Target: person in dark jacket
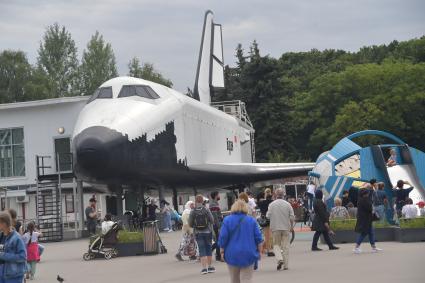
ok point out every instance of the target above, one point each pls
(321, 223)
(364, 221)
(218, 219)
(353, 194)
(345, 199)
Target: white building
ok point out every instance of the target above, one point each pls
(42, 128)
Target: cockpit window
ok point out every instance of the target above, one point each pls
(138, 90)
(103, 92)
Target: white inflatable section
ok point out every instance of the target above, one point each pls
(405, 173)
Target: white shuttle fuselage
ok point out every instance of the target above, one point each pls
(134, 131)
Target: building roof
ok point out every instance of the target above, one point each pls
(44, 102)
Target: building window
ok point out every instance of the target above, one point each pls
(12, 153)
(69, 203)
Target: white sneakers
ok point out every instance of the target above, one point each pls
(359, 251)
(375, 250)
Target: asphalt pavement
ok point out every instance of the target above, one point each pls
(397, 263)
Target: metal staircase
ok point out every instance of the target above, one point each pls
(49, 197)
(49, 210)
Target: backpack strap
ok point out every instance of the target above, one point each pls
(237, 227)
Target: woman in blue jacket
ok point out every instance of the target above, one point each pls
(13, 254)
(240, 243)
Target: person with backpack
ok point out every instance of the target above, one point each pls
(240, 243)
(218, 218)
(33, 256)
(201, 220)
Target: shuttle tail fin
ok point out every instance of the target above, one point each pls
(210, 71)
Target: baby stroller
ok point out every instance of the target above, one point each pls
(104, 244)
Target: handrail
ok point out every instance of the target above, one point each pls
(375, 133)
(235, 108)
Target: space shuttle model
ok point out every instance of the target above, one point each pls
(136, 132)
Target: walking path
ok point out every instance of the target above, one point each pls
(397, 263)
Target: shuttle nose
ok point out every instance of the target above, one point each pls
(92, 153)
(98, 152)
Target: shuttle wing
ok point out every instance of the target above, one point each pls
(233, 173)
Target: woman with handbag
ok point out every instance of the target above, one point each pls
(188, 243)
(263, 204)
(240, 243)
(365, 217)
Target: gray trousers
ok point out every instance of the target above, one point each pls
(241, 275)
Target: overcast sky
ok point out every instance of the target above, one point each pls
(168, 33)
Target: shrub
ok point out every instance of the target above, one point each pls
(412, 223)
(350, 224)
(339, 225)
(129, 237)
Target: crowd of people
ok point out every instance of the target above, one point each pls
(386, 210)
(254, 227)
(19, 248)
(262, 226)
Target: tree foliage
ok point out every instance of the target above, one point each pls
(302, 103)
(57, 57)
(97, 65)
(19, 81)
(146, 71)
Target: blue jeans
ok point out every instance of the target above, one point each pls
(204, 241)
(40, 249)
(370, 233)
(19, 279)
(380, 210)
(167, 220)
(310, 201)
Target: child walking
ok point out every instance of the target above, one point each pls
(33, 256)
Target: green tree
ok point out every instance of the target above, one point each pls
(146, 71)
(19, 81)
(97, 64)
(57, 57)
(14, 72)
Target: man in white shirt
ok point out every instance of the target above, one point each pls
(251, 202)
(409, 210)
(282, 219)
(311, 190)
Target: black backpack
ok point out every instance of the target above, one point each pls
(200, 218)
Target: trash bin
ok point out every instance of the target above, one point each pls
(150, 237)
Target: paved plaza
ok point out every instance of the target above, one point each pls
(397, 263)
